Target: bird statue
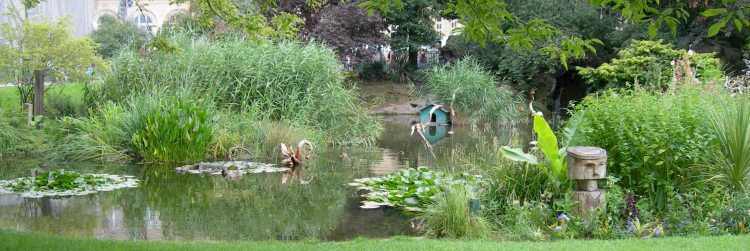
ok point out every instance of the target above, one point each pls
(293, 158)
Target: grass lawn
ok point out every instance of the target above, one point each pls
(30, 242)
(9, 95)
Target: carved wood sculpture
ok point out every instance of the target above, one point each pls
(293, 159)
(419, 128)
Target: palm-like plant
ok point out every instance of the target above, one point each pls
(731, 163)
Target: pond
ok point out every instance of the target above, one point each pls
(172, 206)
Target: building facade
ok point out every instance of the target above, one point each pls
(83, 14)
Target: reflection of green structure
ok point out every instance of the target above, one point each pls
(440, 115)
(436, 133)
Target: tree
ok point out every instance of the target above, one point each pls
(41, 50)
(114, 34)
(346, 26)
(412, 26)
(247, 16)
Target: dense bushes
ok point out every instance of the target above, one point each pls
(654, 141)
(471, 90)
(298, 83)
(650, 63)
(113, 35)
(173, 127)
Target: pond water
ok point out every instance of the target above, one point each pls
(173, 206)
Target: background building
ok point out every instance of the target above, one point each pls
(84, 14)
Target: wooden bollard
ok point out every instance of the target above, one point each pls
(587, 165)
(29, 114)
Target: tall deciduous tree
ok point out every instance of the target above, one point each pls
(45, 49)
(345, 26)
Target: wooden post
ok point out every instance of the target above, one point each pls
(30, 114)
(38, 92)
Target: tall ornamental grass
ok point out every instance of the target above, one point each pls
(16, 137)
(174, 127)
(288, 81)
(472, 90)
(451, 216)
(731, 161)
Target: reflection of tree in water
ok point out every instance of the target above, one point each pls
(69, 216)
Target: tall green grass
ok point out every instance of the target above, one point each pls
(473, 91)
(301, 84)
(731, 162)
(451, 216)
(174, 127)
(16, 137)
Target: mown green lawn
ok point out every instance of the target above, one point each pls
(9, 95)
(31, 242)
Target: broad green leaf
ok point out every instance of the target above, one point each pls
(546, 139)
(716, 27)
(714, 12)
(516, 154)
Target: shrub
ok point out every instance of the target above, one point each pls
(451, 216)
(294, 82)
(735, 215)
(371, 71)
(63, 104)
(654, 141)
(471, 89)
(113, 35)
(649, 63)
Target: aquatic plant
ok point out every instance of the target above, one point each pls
(410, 189)
(452, 215)
(172, 128)
(472, 90)
(65, 183)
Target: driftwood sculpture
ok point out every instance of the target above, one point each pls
(419, 128)
(293, 159)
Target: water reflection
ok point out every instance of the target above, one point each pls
(169, 205)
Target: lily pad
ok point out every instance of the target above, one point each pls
(66, 183)
(410, 189)
(241, 167)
